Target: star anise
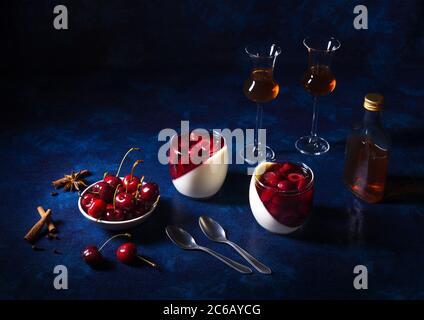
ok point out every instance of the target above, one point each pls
(73, 181)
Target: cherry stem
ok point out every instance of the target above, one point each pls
(114, 196)
(105, 174)
(138, 187)
(133, 167)
(150, 263)
(115, 236)
(125, 156)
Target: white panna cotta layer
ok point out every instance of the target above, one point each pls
(206, 179)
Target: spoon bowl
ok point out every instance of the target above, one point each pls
(181, 238)
(212, 229)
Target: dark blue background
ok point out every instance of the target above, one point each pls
(127, 69)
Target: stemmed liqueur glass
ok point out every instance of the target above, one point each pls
(260, 88)
(318, 80)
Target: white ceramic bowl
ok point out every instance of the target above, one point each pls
(115, 225)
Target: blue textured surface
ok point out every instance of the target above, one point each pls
(60, 123)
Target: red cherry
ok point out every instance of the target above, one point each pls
(298, 179)
(138, 211)
(127, 252)
(183, 143)
(92, 256)
(149, 191)
(103, 191)
(112, 214)
(112, 181)
(266, 195)
(285, 185)
(120, 214)
(284, 169)
(201, 149)
(131, 182)
(141, 207)
(97, 208)
(307, 197)
(270, 179)
(120, 189)
(109, 213)
(194, 139)
(301, 184)
(295, 177)
(273, 209)
(124, 200)
(278, 198)
(87, 199)
(142, 204)
(174, 170)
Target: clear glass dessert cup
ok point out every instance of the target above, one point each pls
(194, 174)
(281, 211)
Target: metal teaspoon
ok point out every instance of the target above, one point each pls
(185, 241)
(215, 232)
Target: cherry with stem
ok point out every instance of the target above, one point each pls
(130, 181)
(91, 254)
(123, 159)
(127, 253)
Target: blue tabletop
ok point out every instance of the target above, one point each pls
(88, 121)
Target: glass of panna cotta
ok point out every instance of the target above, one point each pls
(281, 195)
(198, 164)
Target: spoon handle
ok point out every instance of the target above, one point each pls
(233, 264)
(252, 260)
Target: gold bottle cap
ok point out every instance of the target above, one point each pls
(373, 102)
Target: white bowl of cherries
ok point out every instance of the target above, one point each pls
(118, 203)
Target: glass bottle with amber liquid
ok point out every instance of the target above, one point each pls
(367, 153)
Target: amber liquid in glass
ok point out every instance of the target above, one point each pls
(261, 86)
(366, 169)
(319, 80)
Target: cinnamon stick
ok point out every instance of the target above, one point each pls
(34, 232)
(49, 221)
